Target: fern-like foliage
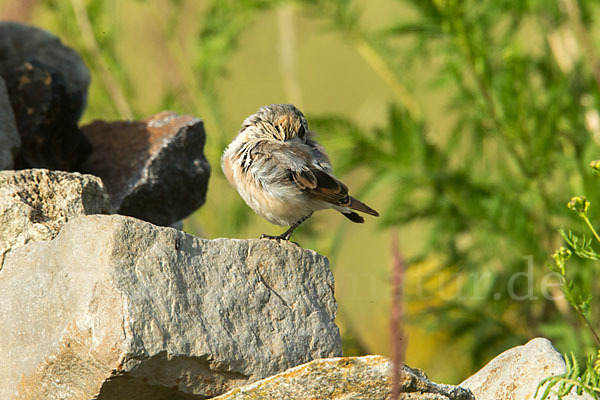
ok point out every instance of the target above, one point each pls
(575, 380)
(581, 245)
(489, 188)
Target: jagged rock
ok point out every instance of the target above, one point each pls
(34, 204)
(118, 308)
(20, 43)
(154, 170)
(366, 378)
(516, 373)
(10, 143)
(46, 119)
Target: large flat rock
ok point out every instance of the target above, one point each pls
(117, 308)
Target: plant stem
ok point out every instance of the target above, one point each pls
(194, 92)
(110, 83)
(396, 313)
(377, 63)
(581, 384)
(577, 307)
(589, 224)
(287, 55)
(587, 322)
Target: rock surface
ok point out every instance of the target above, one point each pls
(46, 118)
(10, 142)
(154, 170)
(365, 378)
(34, 204)
(114, 305)
(20, 43)
(516, 373)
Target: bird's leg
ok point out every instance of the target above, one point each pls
(287, 234)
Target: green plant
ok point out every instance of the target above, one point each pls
(489, 189)
(576, 379)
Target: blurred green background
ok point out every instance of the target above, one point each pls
(467, 124)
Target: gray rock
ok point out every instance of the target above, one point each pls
(20, 43)
(34, 204)
(516, 373)
(155, 169)
(10, 143)
(114, 307)
(365, 378)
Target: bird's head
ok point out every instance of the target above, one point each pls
(282, 122)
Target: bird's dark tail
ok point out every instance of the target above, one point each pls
(354, 217)
(358, 205)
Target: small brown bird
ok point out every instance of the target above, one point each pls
(282, 173)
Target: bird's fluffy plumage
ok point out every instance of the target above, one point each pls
(281, 172)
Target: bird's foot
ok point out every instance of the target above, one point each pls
(278, 238)
(285, 235)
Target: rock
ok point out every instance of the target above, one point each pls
(47, 84)
(46, 119)
(20, 43)
(516, 373)
(10, 143)
(114, 305)
(365, 378)
(154, 170)
(34, 204)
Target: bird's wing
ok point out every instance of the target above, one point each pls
(319, 155)
(319, 184)
(298, 163)
(306, 170)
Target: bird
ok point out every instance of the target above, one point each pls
(282, 173)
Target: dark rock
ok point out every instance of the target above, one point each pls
(10, 143)
(155, 169)
(46, 119)
(47, 84)
(20, 43)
